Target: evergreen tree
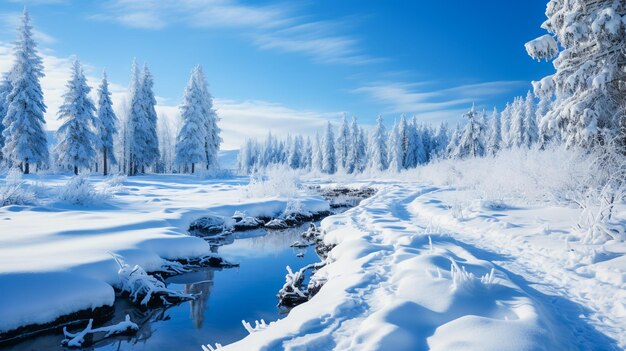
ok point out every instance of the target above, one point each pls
(378, 146)
(307, 156)
(317, 157)
(329, 160)
(453, 144)
(471, 143)
(5, 90)
(353, 147)
(136, 121)
(151, 149)
(213, 139)
(190, 142)
(25, 140)
(590, 68)
(107, 125)
(396, 152)
(76, 139)
(505, 119)
(295, 153)
(518, 132)
(494, 136)
(530, 121)
(343, 144)
(441, 141)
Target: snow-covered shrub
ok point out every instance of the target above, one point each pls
(77, 340)
(79, 191)
(15, 191)
(277, 181)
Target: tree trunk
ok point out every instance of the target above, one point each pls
(26, 168)
(75, 170)
(193, 168)
(105, 168)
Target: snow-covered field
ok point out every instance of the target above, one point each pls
(419, 267)
(56, 257)
(415, 266)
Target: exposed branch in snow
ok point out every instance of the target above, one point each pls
(78, 339)
(258, 326)
(143, 288)
(293, 292)
(208, 347)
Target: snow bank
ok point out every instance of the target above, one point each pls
(38, 298)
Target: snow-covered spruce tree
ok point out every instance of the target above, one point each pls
(136, 120)
(453, 143)
(213, 138)
(307, 155)
(378, 146)
(329, 160)
(5, 90)
(167, 145)
(342, 144)
(317, 159)
(505, 119)
(420, 141)
(494, 133)
(353, 147)
(76, 139)
(517, 130)
(471, 143)
(295, 152)
(590, 78)
(396, 152)
(190, 142)
(361, 154)
(530, 121)
(440, 141)
(151, 150)
(25, 140)
(107, 125)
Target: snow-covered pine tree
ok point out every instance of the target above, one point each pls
(396, 151)
(151, 150)
(329, 160)
(317, 158)
(342, 144)
(530, 121)
(295, 152)
(494, 135)
(353, 147)
(440, 141)
(76, 139)
(213, 138)
(590, 78)
(378, 146)
(420, 140)
(307, 155)
(136, 120)
(5, 90)
(471, 143)
(453, 143)
(361, 154)
(25, 140)
(167, 145)
(107, 125)
(517, 130)
(190, 142)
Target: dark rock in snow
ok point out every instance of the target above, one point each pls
(276, 223)
(208, 225)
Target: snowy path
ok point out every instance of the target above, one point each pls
(390, 288)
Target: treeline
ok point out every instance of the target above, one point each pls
(91, 136)
(409, 143)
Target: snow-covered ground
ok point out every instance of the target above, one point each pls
(56, 257)
(420, 267)
(415, 266)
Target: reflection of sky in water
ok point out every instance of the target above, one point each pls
(229, 295)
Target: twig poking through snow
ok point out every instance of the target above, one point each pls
(77, 339)
(208, 347)
(258, 326)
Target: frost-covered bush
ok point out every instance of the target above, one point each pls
(276, 181)
(15, 191)
(79, 191)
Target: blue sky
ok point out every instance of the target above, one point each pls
(289, 66)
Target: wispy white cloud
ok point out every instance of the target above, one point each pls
(432, 105)
(270, 27)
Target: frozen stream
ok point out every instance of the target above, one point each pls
(229, 295)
